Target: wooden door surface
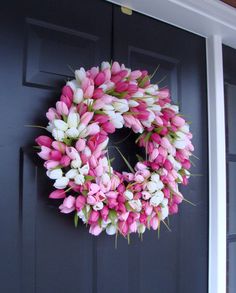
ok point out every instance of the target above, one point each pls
(41, 251)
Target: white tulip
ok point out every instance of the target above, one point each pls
(149, 101)
(71, 173)
(72, 84)
(98, 206)
(128, 195)
(54, 174)
(60, 124)
(72, 132)
(76, 164)
(177, 166)
(58, 134)
(104, 144)
(73, 120)
(79, 179)
(84, 170)
(121, 105)
(141, 228)
(108, 108)
(80, 74)
(133, 103)
(156, 108)
(164, 212)
(50, 127)
(155, 177)
(87, 151)
(61, 183)
(185, 128)
(104, 223)
(180, 144)
(138, 95)
(152, 186)
(156, 199)
(111, 230)
(136, 205)
(78, 96)
(105, 65)
(165, 201)
(105, 178)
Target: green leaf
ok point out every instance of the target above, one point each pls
(109, 164)
(112, 216)
(158, 129)
(76, 220)
(88, 178)
(143, 81)
(68, 141)
(155, 71)
(125, 160)
(148, 136)
(141, 159)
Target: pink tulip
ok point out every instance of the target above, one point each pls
(186, 164)
(98, 93)
(94, 188)
(167, 165)
(121, 86)
(154, 223)
(104, 213)
(57, 194)
(50, 164)
(135, 74)
(66, 100)
(178, 121)
(153, 155)
(68, 205)
(133, 227)
(65, 161)
(80, 144)
(67, 91)
(173, 209)
(177, 198)
(55, 155)
(44, 153)
(101, 118)
(95, 230)
(166, 192)
(156, 137)
(59, 146)
(99, 79)
(123, 228)
(52, 114)
(44, 140)
(108, 127)
(62, 108)
(89, 92)
(93, 129)
(94, 216)
(93, 72)
(165, 143)
(71, 152)
(86, 118)
(107, 73)
(115, 68)
(80, 203)
(164, 93)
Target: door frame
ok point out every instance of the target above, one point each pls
(216, 21)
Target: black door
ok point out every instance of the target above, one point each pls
(229, 58)
(41, 251)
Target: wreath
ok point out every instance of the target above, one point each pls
(92, 106)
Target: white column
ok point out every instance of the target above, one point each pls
(217, 167)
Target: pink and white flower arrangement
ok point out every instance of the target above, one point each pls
(93, 105)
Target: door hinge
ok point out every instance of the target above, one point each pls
(126, 10)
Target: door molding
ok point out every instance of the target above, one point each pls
(215, 21)
(202, 17)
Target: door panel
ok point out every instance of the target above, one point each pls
(177, 262)
(39, 39)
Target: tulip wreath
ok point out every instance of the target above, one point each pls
(93, 105)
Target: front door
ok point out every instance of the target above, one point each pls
(41, 251)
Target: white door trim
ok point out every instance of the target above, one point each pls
(217, 167)
(216, 22)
